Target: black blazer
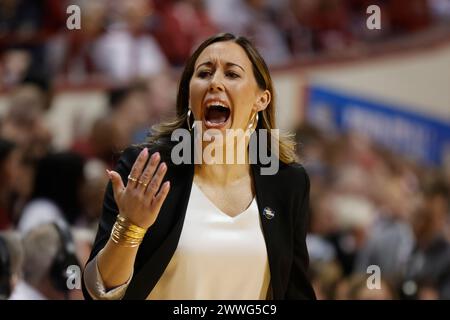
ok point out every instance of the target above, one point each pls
(286, 193)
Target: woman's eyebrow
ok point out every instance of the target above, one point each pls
(228, 64)
(231, 64)
(207, 63)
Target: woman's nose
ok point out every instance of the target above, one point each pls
(216, 83)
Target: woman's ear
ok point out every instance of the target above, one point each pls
(263, 100)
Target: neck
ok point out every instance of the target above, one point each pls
(222, 174)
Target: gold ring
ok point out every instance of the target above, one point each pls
(145, 184)
(132, 179)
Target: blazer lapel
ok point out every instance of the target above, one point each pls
(267, 205)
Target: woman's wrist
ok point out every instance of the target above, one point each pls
(127, 234)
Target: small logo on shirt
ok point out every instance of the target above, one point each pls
(268, 213)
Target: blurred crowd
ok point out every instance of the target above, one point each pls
(368, 206)
(372, 209)
(46, 191)
(34, 34)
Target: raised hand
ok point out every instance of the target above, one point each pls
(141, 200)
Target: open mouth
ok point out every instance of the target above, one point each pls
(216, 114)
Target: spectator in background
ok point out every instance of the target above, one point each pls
(161, 97)
(101, 142)
(130, 114)
(354, 215)
(11, 262)
(325, 277)
(391, 238)
(9, 171)
(428, 270)
(127, 50)
(24, 122)
(92, 194)
(71, 53)
(126, 123)
(14, 64)
(322, 226)
(356, 288)
(179, 26)
(260, 26)
(56, 192)
(24, 125)
(48, 251)
(255, 20)
(295, 23)
(20, 19)
(21, 28)
(312, 26)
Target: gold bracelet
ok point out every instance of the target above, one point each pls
(125, 237)
(127, 234)
(127, 223)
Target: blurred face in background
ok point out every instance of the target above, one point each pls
(25, 122)
(135, 13)
(161, 96)
(431, 218)
(323, 221)
(94, 16)
(394, 201)
(136, 108)
(13, 65)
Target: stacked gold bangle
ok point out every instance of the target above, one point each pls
(127, 234)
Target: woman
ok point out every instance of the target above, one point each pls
(224, 231)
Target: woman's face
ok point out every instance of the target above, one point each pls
(223, 92)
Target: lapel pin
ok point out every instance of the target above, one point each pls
(268, 213)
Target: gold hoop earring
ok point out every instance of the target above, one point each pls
(252, 122)
(188, 117)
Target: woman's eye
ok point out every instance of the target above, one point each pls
(232, 75)
(203, 74)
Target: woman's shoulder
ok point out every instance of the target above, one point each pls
(290, 180)
(294, 172)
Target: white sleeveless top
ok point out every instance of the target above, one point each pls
(217, 257)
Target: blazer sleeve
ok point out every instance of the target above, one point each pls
(299, 286)
(110, 209)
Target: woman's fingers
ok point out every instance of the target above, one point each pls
(137, 168)
(158, 200)
(117, 183)
(147, 174)
(155, 183)
(140, 196)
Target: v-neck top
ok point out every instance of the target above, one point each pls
(218, 256)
